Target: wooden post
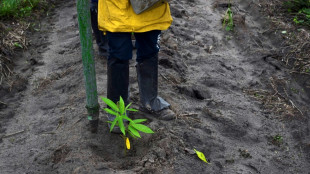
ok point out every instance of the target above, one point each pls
(88, 63)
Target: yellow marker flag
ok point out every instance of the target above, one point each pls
(127, 143)
(201, 156)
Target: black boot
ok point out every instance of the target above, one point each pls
(147, 72)
(118, 83)
(101, 39)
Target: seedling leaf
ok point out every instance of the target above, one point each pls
(133, 110)
(201, 156)
(110, 103)
(121, 105)
(139, 120)
(121, 125)
(110, 111)
(128, 106)
(113, 123)
(134, 131)
(131, 134)
(126, 118)
(142, 128)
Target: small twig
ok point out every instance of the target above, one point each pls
(189, 114)
(9, 135)
(3, 103)
(167, 79)
(59, 124)
(184, 63)
(46, 133)
(8, 69)
(164, 77)
(184, 98)
(299, 72)
(296, 107)
(76, 122)
(8, 59)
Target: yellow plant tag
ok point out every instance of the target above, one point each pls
(201, 156)
(127, 143)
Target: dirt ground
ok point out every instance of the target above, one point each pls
(234, 101)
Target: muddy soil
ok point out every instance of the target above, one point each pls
(233, 101)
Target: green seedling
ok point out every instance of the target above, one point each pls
(245, 153)
(228, 22)
(16, 44)
(295, 90)
(300, 9)
(277, 140)
(119, 110)
(18, 8)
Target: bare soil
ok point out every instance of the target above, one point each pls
(235, 101)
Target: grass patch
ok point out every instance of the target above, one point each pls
(301, 10)
(17, 8)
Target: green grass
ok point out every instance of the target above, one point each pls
(301, 9)
(17, 8)
(228, 22)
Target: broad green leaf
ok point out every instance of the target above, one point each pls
(134, 131)
(133, 110)
(139, 120)
(132, 135)
(89, 117)
(110, 111)
(306, 11)
(201, 156)
(110, 103)
(142, 128)
(113, 123)
(121, 125)
(121, 105)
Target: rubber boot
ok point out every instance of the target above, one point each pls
(147, 72)
(118, 84)
(101, 39)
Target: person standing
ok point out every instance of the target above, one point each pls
(119, 21)
(101, 40)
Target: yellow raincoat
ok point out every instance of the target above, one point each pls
(118, 16)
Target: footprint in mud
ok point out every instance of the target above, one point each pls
(272, 60)
(178, 67)
(166, 63)
(198, 92)
(177, 11)
(48, 102)
(226, 126)
(60, 154)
